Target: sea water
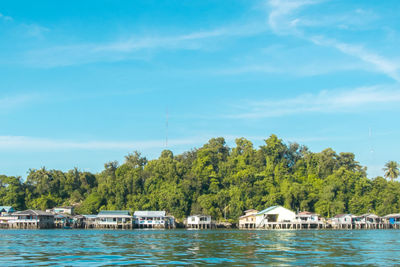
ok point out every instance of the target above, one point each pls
(198, 247)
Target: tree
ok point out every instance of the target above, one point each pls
(391, 170)
(135, 160)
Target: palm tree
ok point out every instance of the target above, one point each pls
(391, 170)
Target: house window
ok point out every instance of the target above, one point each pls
(193, 219)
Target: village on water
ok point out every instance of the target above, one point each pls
(275, 217)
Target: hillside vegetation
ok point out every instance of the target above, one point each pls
(215, 180)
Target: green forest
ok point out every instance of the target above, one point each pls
(216, 180)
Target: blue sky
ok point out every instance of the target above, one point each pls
(86, 82)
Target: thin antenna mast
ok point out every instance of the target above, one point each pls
(371, 147)
(166, 129)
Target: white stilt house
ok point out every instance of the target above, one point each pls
(273, 215)
(341, 221)
(153, 219)
(248, 220)
(199, 222)
(116, 219)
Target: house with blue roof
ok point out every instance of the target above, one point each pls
(6, 215)
(6, 209)
(274, 214)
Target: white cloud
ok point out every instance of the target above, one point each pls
(40, 144)
(323, 102)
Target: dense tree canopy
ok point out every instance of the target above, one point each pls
(215, 180)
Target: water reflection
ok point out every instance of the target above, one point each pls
(96, 247)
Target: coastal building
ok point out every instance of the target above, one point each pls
(248, 220)
(89, 221)
(5, 210)
(307, 217)
(275, 217)
(63, 221)
(117, 219)
(32, 219)
(153, 219)
(78, 221)
(367, 221)
(393, 220)
(308, 220)
(199, 222)
(342, 221)
(6, 215)
(63, 210)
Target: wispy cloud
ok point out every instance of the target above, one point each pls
(279, 18)
(324, 102)
(386, 66)
(34, 30)
(308, 69)
(265, 68)
(133, 47)
(40, 144)
(282, 20)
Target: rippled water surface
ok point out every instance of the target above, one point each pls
(180, 247)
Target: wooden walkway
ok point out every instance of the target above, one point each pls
(366, 226)
(322, 225)
(292, 225)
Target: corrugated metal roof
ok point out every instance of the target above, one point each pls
(342, 215)
(267, 209)
(114, 212)
(393, 215)
(149, 213)
(33, 212)
(371, 215)
(90, 216)
(250, 210)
